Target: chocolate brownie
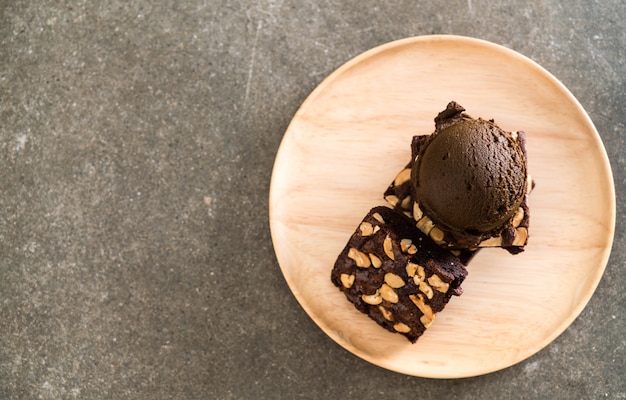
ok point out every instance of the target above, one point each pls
(395, 274)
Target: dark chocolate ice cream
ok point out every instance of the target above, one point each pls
(470, 176)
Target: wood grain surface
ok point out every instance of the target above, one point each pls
(351, 137)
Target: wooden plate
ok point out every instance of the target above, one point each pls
(351, 137)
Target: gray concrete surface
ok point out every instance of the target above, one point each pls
(136, 145)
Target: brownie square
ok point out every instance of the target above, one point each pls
(396, 274)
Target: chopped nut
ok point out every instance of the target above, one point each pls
(425, 225)
(361, 259)
(439, 285)
(366, 229)
(406, 203)
(373, 299)
(386, 313)
(428, 291)
(424, 308)
(376, 229)
(404, 244)
(495, 241)
(427, 321)
(402, 177)
(388, 247)
(417, 300)
(411, 268)
(529, 184)
(412, 249)
(417, 211)
(420, 274)
(392, 199)
(393, 280)
(378, 218)
(407, 246)
(455, 252)
(518, 217)
(376, 262)
(388, 293)
(521, 234)
(402, 328)
(436, 234)
(347, 280)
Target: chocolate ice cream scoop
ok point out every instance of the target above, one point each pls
(470, 177)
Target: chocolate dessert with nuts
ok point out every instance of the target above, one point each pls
(395, 274)
(465, 187)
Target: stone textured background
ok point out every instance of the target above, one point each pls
(136, 145)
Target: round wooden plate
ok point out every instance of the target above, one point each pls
(352, 136)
